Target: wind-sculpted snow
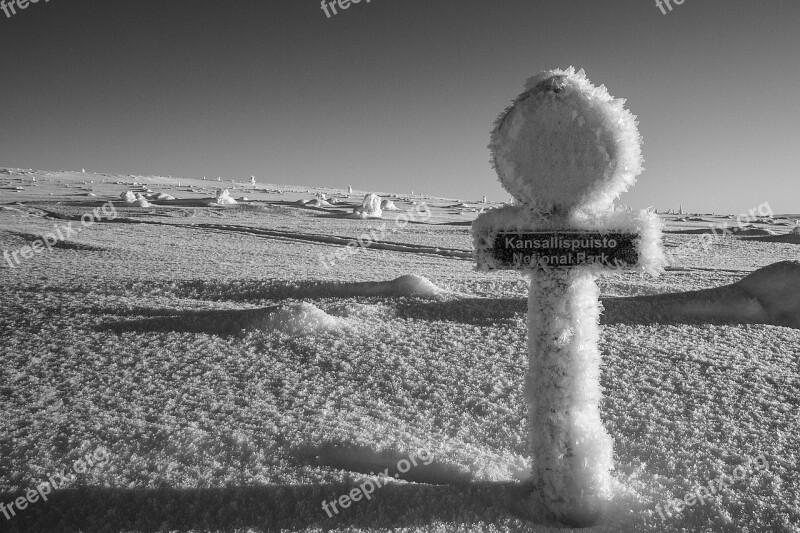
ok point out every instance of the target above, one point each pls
(770, 295)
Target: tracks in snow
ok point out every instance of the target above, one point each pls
(339, 241)
(293, 236)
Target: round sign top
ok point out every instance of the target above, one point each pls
(565, 144)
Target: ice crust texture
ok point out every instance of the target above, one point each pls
(565, 150)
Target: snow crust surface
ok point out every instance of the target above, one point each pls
(146, 335)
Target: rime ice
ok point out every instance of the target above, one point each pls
(565, 150)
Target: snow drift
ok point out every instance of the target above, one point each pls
(770, 295)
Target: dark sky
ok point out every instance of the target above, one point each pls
(395, 95)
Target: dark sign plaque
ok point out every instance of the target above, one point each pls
(554, 249)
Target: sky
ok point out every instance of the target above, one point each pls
(399, 95)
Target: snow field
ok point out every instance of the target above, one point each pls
(131, 338)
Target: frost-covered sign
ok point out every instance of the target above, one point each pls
(565, 150)
(565, 249)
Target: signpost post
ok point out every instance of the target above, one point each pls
(565, 150)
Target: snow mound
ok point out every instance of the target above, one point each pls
(388, 205)
(301, 318)
(370, 207)
(318, 202)
(224, 197)
(407, 285)
(413, 285)
(770, 295)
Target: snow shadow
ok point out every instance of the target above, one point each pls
(365, 460)
(215, 322)
(770, 295)
(788, 238)
(472, 311)
(29, 238)
(247, 290)
(269, 507)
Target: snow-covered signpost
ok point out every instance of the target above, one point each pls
(565, 150)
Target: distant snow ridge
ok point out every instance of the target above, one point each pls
(370, 207)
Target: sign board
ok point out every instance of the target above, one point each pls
(569, 248)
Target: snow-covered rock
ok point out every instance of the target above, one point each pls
(388, 205)
(133, 199)
(224, 197)
(370, 207)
